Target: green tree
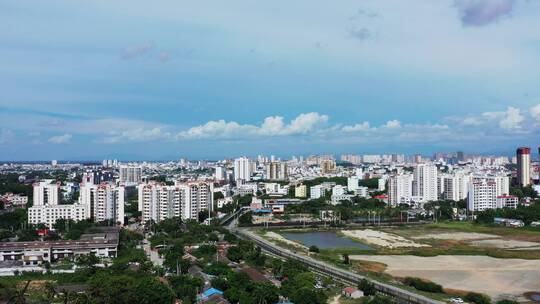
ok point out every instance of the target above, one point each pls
(217, 268)
(367, 287)
(105, 288)
(478, 298)
(346, 259)
(150, 290)
(88, 262)
(245, 219)
(307, 295)
(378, 299)
(235, 254)
(265, 293)
(314, 248)
(186, 286)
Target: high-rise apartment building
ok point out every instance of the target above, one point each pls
(220, 173)
(46, 193)
(425, 182)
(104, 202)
(47, 210)
(328, 166)
(482, 195)
(400, 189)
(484, 191)
(158, 201)
(130, 174)
(242, 169)
(276, 171)
(353, 183)
(455, 186)
(523, 155)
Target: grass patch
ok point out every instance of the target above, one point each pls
(369, 266)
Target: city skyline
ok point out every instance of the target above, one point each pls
(134, 81)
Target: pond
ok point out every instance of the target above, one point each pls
(324, 240)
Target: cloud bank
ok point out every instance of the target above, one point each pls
(511, 123)
(483, 12)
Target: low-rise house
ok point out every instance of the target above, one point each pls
(11, 200)
(508, 222)
(35, 253)
(255, 275)
(352, 292)
(212, 295)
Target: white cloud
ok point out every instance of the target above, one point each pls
(494, 126)
(271, 126)
(509, 120)
(305, 123)
(392, 124)
(137, 135)
(471, 121)
(512, 119)
(60, 139)
(364, 126)
(535, 111)
(215, 129)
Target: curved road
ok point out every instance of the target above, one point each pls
(402, 295)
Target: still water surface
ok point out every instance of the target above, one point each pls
(324, 240)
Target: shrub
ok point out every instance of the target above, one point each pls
(477, 298)
(423, 285)
(314, 249)
(367, 287)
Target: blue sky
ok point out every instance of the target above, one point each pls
(141, 80)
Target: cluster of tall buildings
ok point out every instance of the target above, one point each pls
(106, 202)
(373, 158)
(103, 202)
(419, 186)
(483, 189)
(158, 201)
(426, 183)
(245, 169)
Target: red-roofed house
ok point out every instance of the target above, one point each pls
(352, 292)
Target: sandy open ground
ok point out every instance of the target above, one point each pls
(280, 238)
(480, 240)
(488, 275)
(506, 244)
(456, 236)
(381, 238)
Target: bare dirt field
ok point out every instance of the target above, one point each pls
(480, 240)
(492, 276)
(456, 236)
(380, 238)
(506, 244)
(280, 238)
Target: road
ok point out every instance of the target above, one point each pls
(402, 295)
(152, 254)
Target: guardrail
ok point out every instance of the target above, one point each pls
(228, 218)
(402, 295)
(342, 224)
